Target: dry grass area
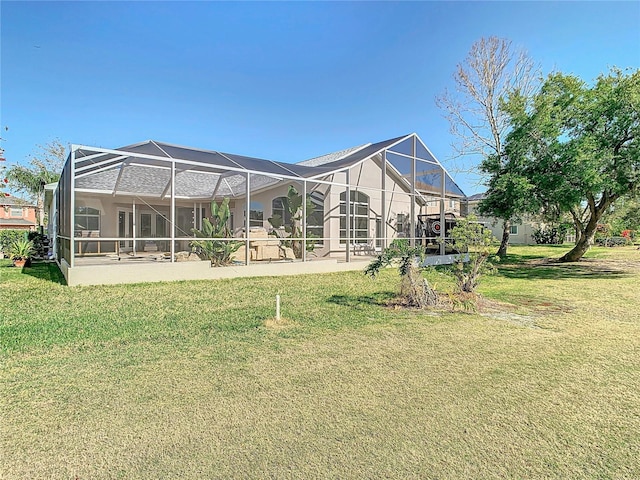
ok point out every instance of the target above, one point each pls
(196, 379)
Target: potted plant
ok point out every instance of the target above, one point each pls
(21, 251)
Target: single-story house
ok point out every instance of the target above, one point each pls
(144, 201)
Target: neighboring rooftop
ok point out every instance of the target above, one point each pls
(5, 222)
(476, 197)
(11, 200)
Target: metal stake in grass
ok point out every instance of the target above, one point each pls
(277, 308)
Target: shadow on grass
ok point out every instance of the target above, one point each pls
(45, 271)
(354, 301)
(559, 271)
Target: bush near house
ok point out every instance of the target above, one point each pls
(552, 235)
(8, 238)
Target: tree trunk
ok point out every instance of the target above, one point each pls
(40, 208)
(504, 243)
(587, 234)
(583, 241)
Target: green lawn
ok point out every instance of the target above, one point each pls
(194, 379)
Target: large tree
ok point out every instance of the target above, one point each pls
(492, 70)
(579, 146)
(44, 167)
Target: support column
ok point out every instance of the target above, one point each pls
(412, 223)
(384, 200)
(133, 205)
(443, 225)
(173, 212)
(304, 220)
(348, 217)
(195, 216)
(72, 233)
(247, 222)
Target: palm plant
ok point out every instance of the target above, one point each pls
(293, 204)
(414, 288)
(219, 252)
(21, 249)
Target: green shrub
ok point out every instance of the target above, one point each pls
(219, 252)
(470, 236)
(415, 291)
(613, 241)
(8, 238)
(553, 235)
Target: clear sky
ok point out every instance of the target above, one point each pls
(284, 81)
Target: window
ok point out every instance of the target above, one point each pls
(279, 207)
(145, 225)
(452, 204)
(403, 225)
(513, 230)
(315, 214)
(87, 218)
(16, 212)
(359, 212)
(256, 214)
(315, 218)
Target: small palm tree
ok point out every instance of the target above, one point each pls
(414, 288)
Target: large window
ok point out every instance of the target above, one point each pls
(87, 218)
(315, 218)
(279, 208)
(315, 214)
(359, 209)
(256, 214)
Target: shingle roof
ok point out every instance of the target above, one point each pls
(476, 197)
(15, 201)
(15, 221)
(141, 168)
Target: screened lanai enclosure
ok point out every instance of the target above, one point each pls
(152, 202)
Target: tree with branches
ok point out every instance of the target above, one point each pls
(492, 70)
(43, 167)
(579, 146)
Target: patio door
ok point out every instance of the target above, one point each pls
(125, 228)
(152, 225)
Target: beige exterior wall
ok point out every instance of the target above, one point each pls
(524, 229)
(365, 178)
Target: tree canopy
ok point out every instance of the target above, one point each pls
(43, 167)
(577, 147)
(478, 122)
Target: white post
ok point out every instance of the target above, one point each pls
(443, 218)
(72, 207)
(134, 226)
(247, 221)
(412, 223)
(384, 200)
(304, 220)
(278, 307)
(348, 217)
(173, 212)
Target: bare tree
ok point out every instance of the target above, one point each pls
(492, 70)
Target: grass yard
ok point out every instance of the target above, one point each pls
(195, 380)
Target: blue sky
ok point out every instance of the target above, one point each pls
(284, 81)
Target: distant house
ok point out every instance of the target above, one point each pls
(141, 204)
(521, 233)
(17, 214)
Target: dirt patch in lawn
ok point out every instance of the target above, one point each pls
(595, 265)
